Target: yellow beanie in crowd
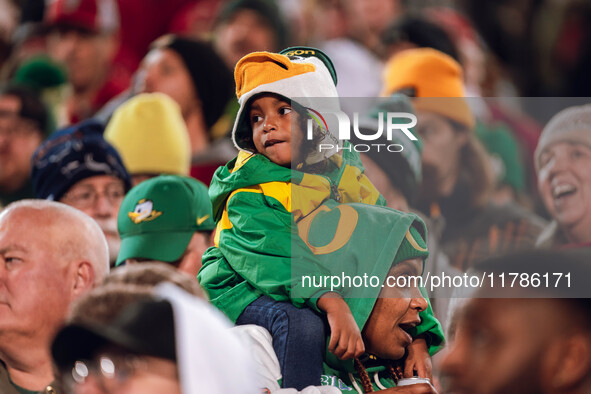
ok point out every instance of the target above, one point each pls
(432, 79)
(150, 134)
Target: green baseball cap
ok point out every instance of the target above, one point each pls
(159, 216)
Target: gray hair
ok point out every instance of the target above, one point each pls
(81, 237)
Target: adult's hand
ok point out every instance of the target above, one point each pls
(421, 388)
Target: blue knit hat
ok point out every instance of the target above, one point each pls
(72, 154)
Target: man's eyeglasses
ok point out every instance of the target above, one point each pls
(87, 196)
(106, 367)
(110, 370)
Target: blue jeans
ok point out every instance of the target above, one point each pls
(298, 339)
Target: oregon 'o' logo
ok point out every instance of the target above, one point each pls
(345, 227)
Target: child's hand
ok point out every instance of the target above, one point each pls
(418, 359)
(345, 338)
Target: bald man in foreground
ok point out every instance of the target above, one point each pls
(50, 254)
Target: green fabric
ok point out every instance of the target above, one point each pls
(406, 251)
(502, 145)
(260, 245)
(159, 216)
(257, 170)
(375, 244)
(24, 391)
(48, 78)
(262, 253)
(41, 72)
(336, 372)
(7, 386)
(341, 380)
(430, 326)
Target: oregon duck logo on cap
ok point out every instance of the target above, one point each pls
(143, 212)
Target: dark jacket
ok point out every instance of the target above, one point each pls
(471, 234)
(7, 387)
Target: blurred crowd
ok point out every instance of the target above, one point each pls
(128, 111)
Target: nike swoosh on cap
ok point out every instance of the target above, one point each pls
(202, 219)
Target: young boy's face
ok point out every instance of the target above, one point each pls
(271, 119)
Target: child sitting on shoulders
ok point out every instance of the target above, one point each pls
(278, 178)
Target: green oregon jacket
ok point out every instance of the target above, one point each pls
(259, 248)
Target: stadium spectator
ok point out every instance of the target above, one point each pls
(167, 219)
(24, 122)
(50, 255)
(509, 345)
(457, 177)
(175, 344)
(563, 159)
(84, 37)
(78, 167)
(245, 26)
(149, 133)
